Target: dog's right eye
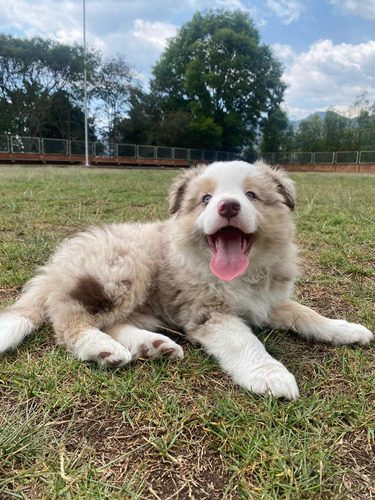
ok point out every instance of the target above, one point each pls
(206, 198)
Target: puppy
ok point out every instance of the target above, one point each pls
(225, 260)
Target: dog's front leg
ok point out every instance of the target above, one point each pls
(244, 357)
(312, 326)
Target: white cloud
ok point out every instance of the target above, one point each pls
(232, 5)
(154, 33)
(40, 17)
(363, 8)
(296, 113)
(287, 10)
(328, 74)
(284, 53)
(256, 13)
(114, 26)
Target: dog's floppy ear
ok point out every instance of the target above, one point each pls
(176, 194)
(284, 185)
(178, 188)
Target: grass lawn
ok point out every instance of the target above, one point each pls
(179, 430)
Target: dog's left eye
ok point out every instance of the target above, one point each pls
(206, 198)
(250, 195)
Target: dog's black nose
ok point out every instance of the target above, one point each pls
(228, 208)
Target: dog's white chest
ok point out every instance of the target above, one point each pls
(252, 301)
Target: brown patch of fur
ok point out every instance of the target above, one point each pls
(91, 295)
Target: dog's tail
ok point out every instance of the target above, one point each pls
(25, 316)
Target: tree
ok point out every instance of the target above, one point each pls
(65, 120)
(143, 116)
(5, 118)
(309, 135)
(277, 132)
(337, 132)
(113, 87)
(32, 72)
(172, 130)
(216, 70)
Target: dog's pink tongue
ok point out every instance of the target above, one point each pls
(229, 260)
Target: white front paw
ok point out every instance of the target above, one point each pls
(269, 378)
(159, 346)
(342, 332)
(113, 355)
(95, 345)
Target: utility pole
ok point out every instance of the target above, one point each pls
(85, 85)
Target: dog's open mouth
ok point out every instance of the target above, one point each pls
(230, 247)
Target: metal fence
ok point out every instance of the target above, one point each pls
(338, 157)
(34, 145)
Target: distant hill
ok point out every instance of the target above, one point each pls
(295, 123)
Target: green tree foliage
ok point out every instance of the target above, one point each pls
(32, 72)
(337, 133)
(309, 135)
(277, 132)
(65, 120)
(217, 72)
(113, 86)
(354, 132)
(144, 115)
(364, 111)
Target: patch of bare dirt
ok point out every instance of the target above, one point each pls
(357, 454)
(329, 300)
(189, 470)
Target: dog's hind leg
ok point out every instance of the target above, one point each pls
(82, 335)
(145, 344)
(87, 342)
(25, 316)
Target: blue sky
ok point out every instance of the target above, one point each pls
(327, 47)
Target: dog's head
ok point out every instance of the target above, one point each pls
(227, 209)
